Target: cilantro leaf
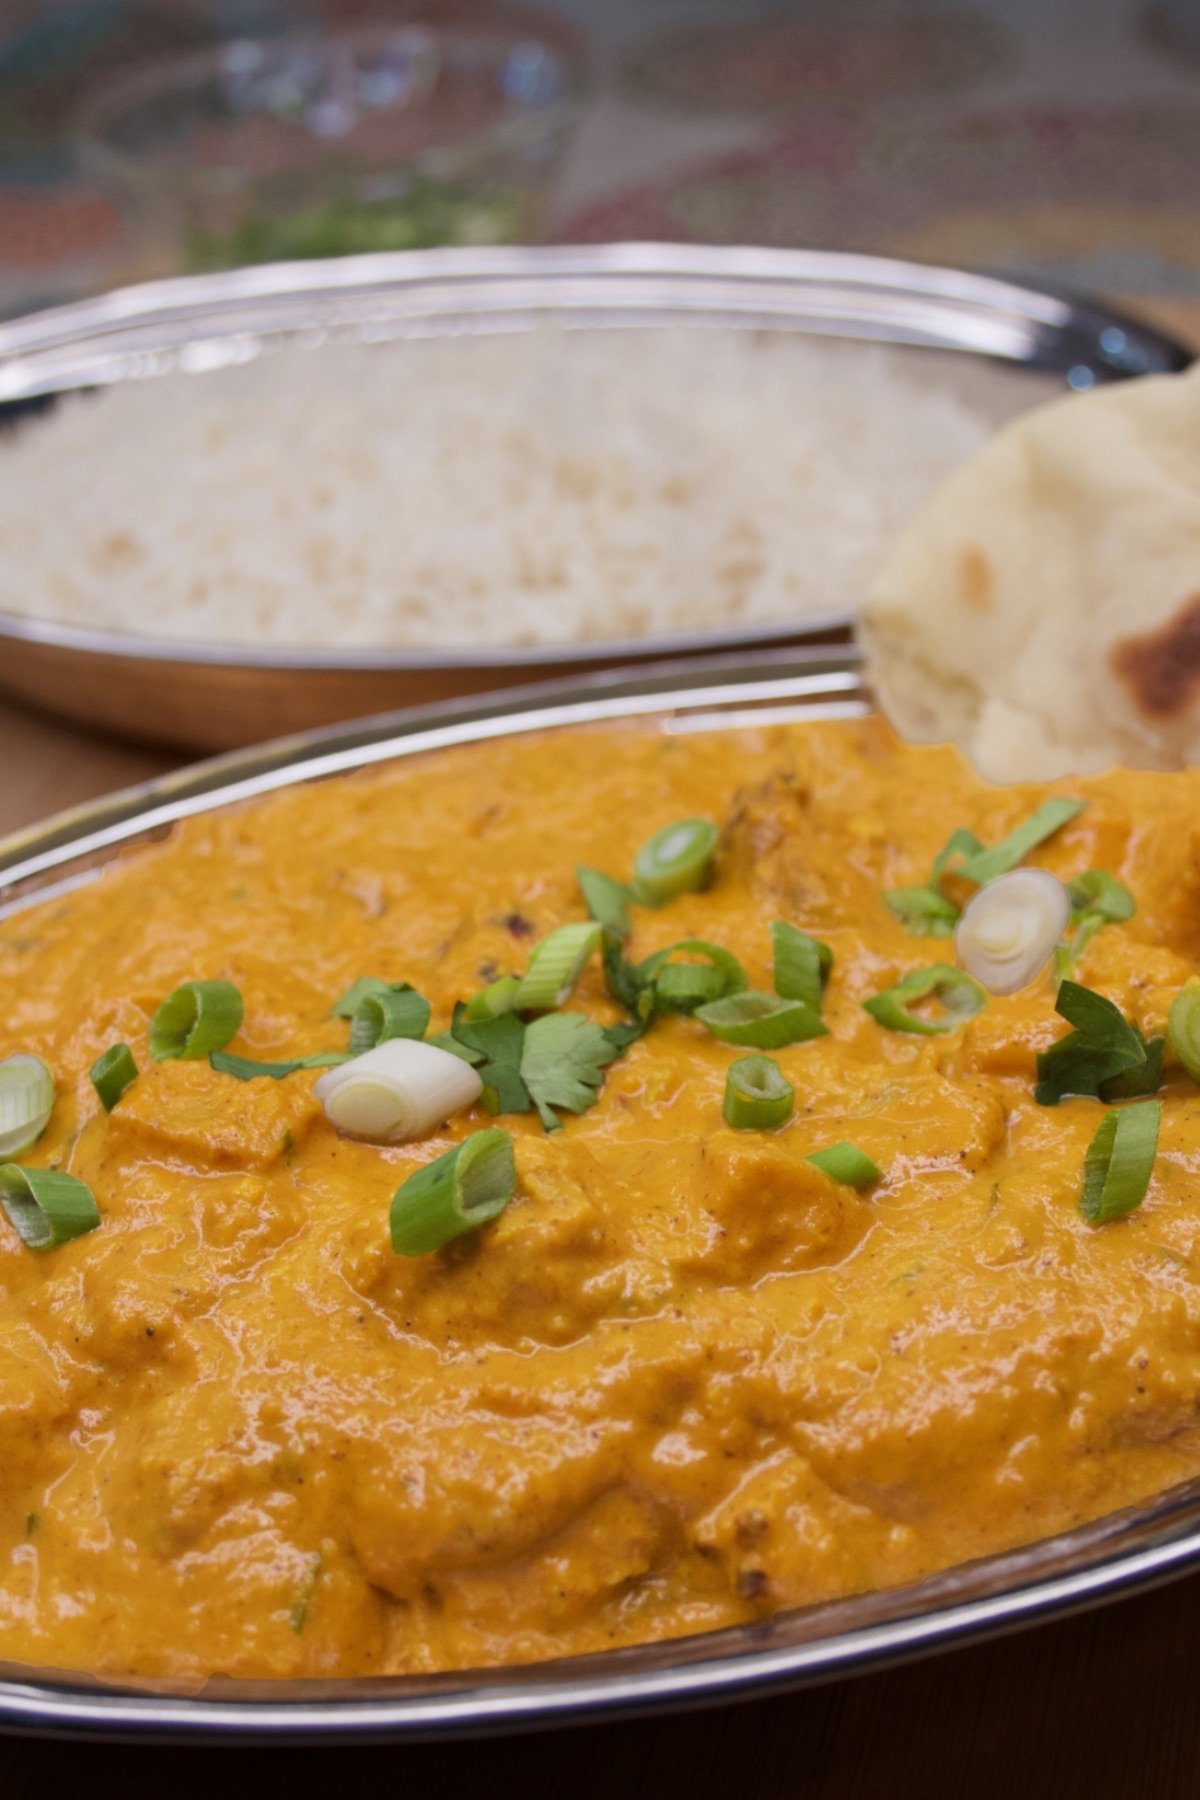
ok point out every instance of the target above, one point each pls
(496, 1047)
(563, 1063)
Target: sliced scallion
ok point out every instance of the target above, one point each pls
(949, 860)
(357, 992)
(456, 1193)
(607, 900)
(801, 964)
(922, 910)
(1183, 1027)
(1009, 929)
(26, 1101)
(760, 1021)
(199, 1017)
(45, 1206)
(758, 1095)
(961, 997)
(245, 1068)
(112, 1073)
(1106, 1057)
(847, 1164)
(394, 1012)
(556, 965)
(683, 986)
(399, 1090)
(679, 859)
(1050, 816)
(1120, 1161)
(491, 1001)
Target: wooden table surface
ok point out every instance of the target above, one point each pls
(1102, 1707)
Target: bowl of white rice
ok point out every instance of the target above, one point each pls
(260, 501)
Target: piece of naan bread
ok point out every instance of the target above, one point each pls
(1042, 610)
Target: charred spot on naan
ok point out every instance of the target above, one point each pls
(1161, 668)
(976, 579)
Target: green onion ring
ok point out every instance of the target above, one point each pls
(112, 1073)
(923, 911)
(246, 1069)
(1120, 1161)
(455, 1193)
(847, 1164)
(1183, 1027)
(46, 1207)
(683, 986)
(358, 991)
(959, 994)
(760, 1021)
(491, 1001)
(397, 1012)
(758, 1095)
(197, 1018)
(606, 900)
(26, 1101)
(679, 859)
(1049, 817)
(801, 964)
(556, 965)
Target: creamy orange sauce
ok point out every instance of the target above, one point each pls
(685, 1380)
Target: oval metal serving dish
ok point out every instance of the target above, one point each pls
(1112, 1557)
(213, 696)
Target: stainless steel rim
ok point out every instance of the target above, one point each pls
(1109, 1558)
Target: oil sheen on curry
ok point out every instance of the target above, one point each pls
(686, 1378)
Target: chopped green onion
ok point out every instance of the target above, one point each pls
(46, 1207)
(112, 1073)
(1096, 891)
(922, 910)
(949, 860)
(760, 1021)
(846, 1163)
(959, 994)
(304, 1594)
(357, 992)
(556, 965)
(606, 900)
(1183, 1027)
(245, 1068)
(801, 963)
(26, 1101)
(1050, 816)
(394, 1012)
(491, 1002)
(399, 1090)
(1009, 929)
(625, 982)
(197, 1018)
(679, 859)
(683, 986)
(455, 1193)
(1119, 1162)
(1098, 900)
(758, 1095)
(1104, 1058)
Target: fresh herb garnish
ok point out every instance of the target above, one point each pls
(45, 1206)
(453, 1194)
(395, 1011)
(1104, 1058)
(847, 1164)
(761, 1021)
(758, 1095)
(245, 1068)
(27, 1093)
(1119, 1162)
(679, 859)
(801, 964)
(984, 865)
(112, 1073)
(922, 910)
(1097, 899)
(562, 1064)
(199, 1017)
(607, 900)
(960, 996)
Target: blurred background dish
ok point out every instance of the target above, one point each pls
(385, 138)
(184, 688)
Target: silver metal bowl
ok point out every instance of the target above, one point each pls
(212, 696)
(1110, 1558)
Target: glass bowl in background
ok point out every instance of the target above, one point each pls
(385, 138)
